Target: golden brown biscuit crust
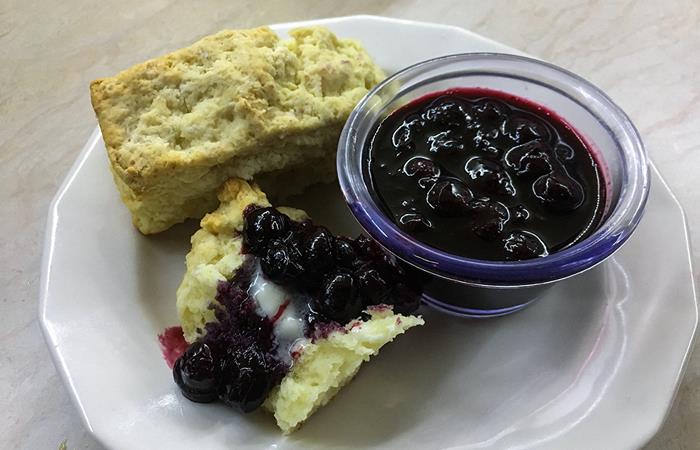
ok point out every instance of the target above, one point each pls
(234, 104)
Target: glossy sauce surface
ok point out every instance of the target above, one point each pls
(486, 175)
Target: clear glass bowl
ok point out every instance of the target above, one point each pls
(473, 287)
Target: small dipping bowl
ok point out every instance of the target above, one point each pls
(480, 288)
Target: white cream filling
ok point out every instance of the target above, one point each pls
(269, 297)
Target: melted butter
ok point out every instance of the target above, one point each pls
(284, 308)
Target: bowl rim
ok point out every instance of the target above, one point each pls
(610, 235)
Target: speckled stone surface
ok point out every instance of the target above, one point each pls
(643, 53)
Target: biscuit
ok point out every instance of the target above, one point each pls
(234, 104)
(324, 365)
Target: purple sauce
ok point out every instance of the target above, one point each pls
(486, 175)
(172, 344)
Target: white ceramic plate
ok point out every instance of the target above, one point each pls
(595, 364)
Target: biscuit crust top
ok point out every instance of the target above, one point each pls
(213, 100)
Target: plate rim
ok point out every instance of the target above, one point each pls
(687, 352)
(45, 278)
(48, 247)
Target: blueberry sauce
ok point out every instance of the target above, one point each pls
(234, 361)
(172, 344)
(298, 283)
(486, 175)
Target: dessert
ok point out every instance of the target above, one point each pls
(279, 312)
(234, 104)
(486, 175)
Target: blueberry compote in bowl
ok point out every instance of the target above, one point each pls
(496, 175)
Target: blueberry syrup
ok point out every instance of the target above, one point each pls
(298, 283)
(487, 175)
(172, 344)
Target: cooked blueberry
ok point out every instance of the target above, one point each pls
(558, 192)
(489, 218)
(535, 164)
(310, 319)
(449, 198)
(564, 152)
(489, 230)
(421, 167)
(405, 133)
(282, 261)
(338, 300)
(481, 207)
(261, 226)
(523, 129)
(446, 112)
(368, 247)
(345, 254)
(490, 114)
(524, 245)
(372, 286)
(275, 261)
(519, 213)
(491, 134)
(246, 379)
(486, 147)
(531, 159)
(318, 250)
(196, 372)
(389, 267)
(427, 182)
(414, 222)
(401, 136)
(446, 142)
(488, 177)
(482, 142)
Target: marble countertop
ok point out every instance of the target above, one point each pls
(643, 53)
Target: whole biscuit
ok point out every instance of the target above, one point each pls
(234, 104)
